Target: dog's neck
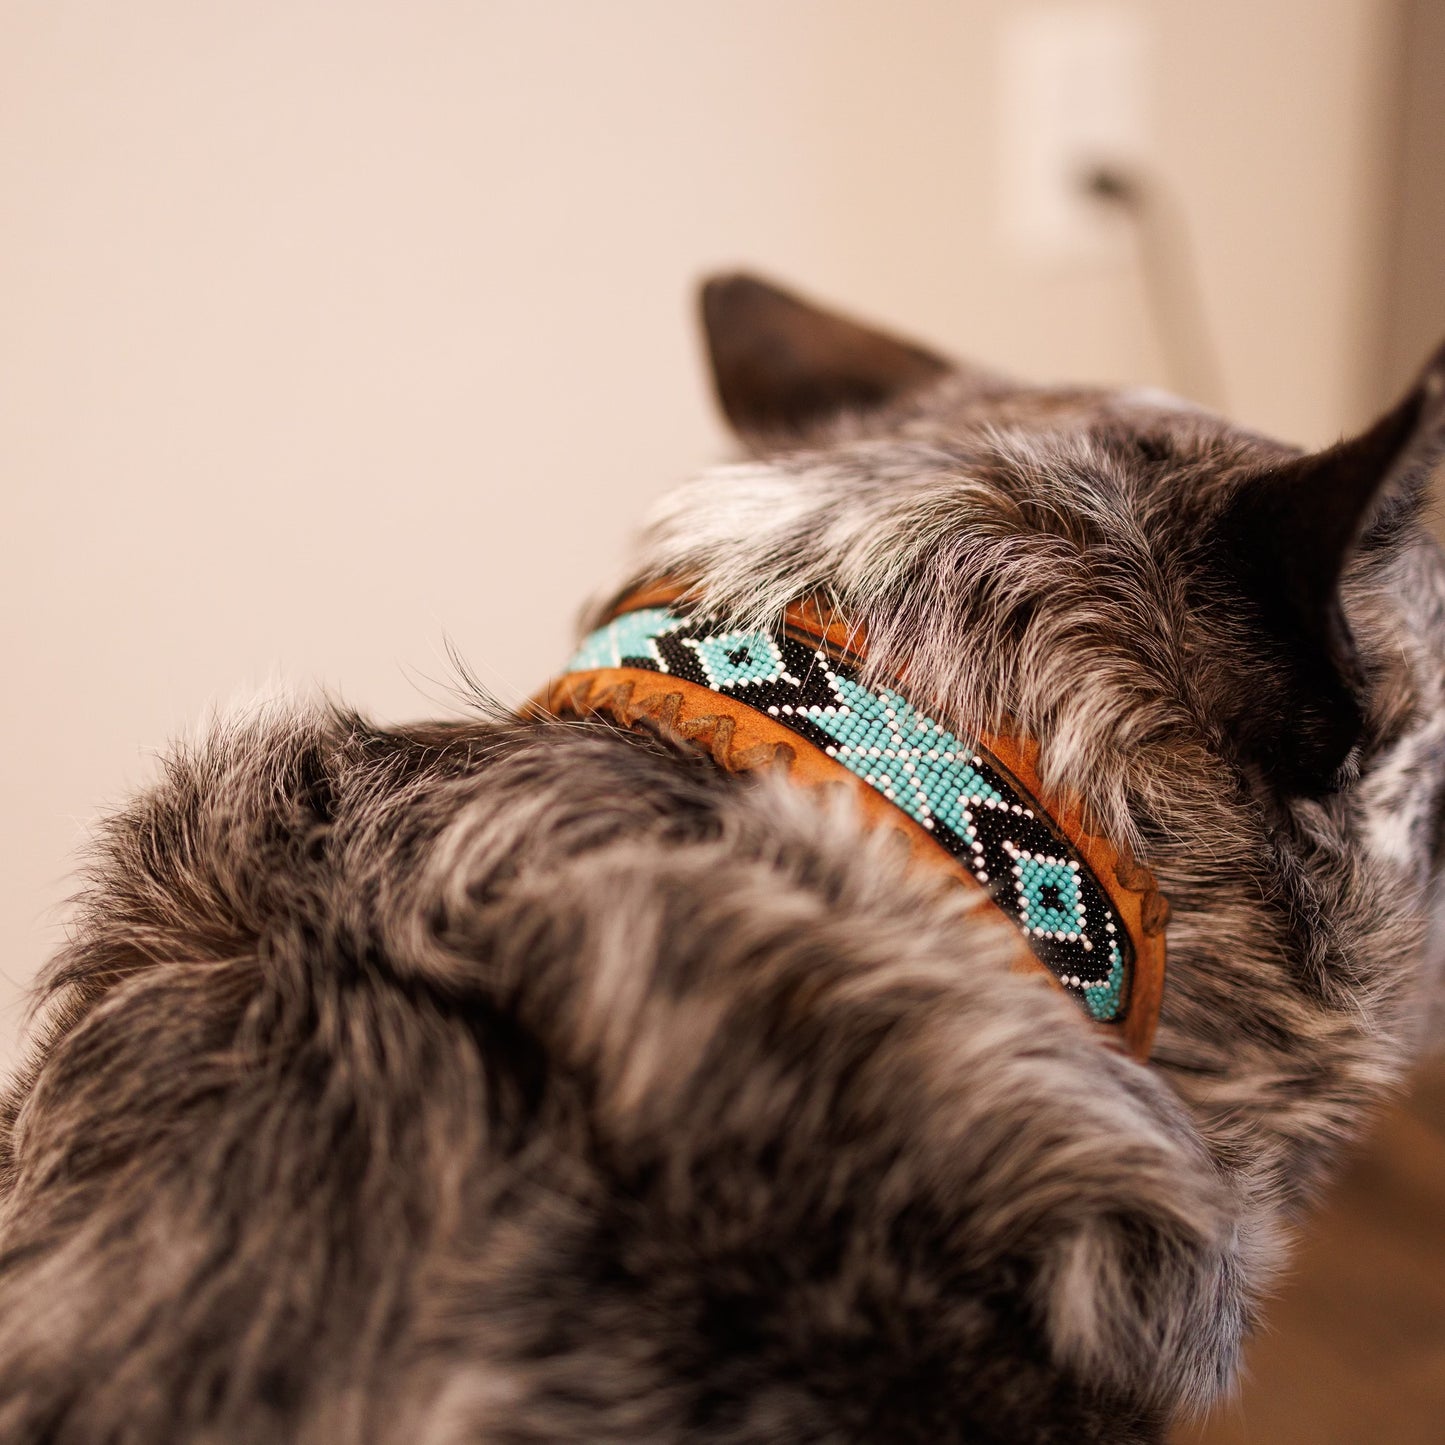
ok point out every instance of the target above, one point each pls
(1087, 917)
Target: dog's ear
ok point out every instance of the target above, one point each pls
(782, 366)
(1286, 536)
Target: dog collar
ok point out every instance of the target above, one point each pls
(1087, 916)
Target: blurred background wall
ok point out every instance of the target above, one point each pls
(331, 332)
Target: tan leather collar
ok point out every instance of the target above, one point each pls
(742, 737)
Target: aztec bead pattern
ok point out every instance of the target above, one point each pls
(951, 787)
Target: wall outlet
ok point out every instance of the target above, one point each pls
(1072, 96)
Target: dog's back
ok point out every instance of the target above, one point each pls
(537, 1083)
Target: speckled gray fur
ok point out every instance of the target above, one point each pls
(521, 1082)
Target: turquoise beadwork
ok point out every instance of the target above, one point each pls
(947, 784)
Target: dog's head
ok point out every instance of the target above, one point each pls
(1261, 537)
(1232, 650)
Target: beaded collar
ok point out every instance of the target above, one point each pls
(1090, 918)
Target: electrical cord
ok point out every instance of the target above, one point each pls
(1170, 274)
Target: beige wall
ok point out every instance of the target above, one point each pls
(1412, 314)
(330, 332)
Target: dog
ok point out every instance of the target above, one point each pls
(644, 1067)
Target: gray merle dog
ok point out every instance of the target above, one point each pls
(535, 1078)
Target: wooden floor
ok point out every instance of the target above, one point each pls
(1354, 1350)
